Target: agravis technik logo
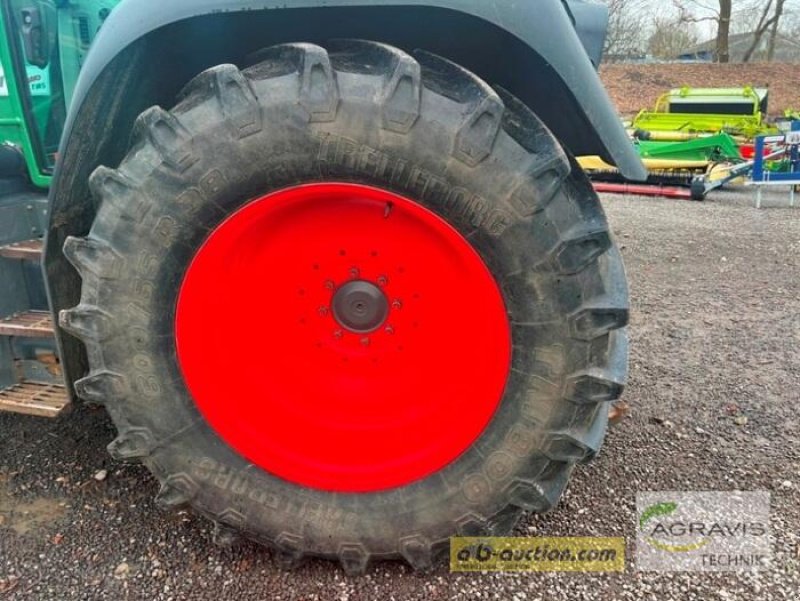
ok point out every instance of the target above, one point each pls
(659, 532)
(703, 531)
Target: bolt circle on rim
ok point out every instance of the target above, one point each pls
(342, 337)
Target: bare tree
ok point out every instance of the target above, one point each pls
(670, 36)
(721, 12)
(760, 18)
(724, 31)
(769, 20)
(790, 24)
(776, 23)
(764, 23)
(625, 28)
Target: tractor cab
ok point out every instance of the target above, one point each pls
(43, 47)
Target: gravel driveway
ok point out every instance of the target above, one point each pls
(714, 395)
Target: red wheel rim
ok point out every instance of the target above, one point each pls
(286, 378)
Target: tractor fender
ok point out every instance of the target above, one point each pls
(568, 36)
(146, 50)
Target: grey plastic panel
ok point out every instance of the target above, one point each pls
(544, 25)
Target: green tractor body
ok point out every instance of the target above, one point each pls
(37, 90)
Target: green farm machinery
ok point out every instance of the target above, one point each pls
(735, 111)
(697, 138)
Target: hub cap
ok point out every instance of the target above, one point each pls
(360, 307)
(342, 337)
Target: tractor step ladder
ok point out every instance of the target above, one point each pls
(28, 249)
(26, 396)
(34, 398)
(30, 324)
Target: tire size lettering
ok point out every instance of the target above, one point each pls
(337, 154)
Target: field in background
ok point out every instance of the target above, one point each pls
(634, 87)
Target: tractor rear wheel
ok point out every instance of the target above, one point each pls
(350, 303)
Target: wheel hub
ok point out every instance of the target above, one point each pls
(360, 307)
(342, 337)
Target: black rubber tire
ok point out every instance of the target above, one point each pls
(698, 189)
(424, 128)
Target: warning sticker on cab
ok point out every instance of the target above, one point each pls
(38, 80)
(3, 82)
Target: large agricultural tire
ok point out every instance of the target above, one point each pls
(421, 128)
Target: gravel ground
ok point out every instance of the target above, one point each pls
(715, 338)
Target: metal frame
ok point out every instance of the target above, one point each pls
(761, 176)
(22, 216)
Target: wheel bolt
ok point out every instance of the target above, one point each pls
(365, 341)
(338, 334)
(330, 284)
(323, 311)
(383, 280)
(355, 272)
(397, 304)
(390, 330)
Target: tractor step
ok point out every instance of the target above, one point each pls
(34, 398)
(27, 249)
(30, 324)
